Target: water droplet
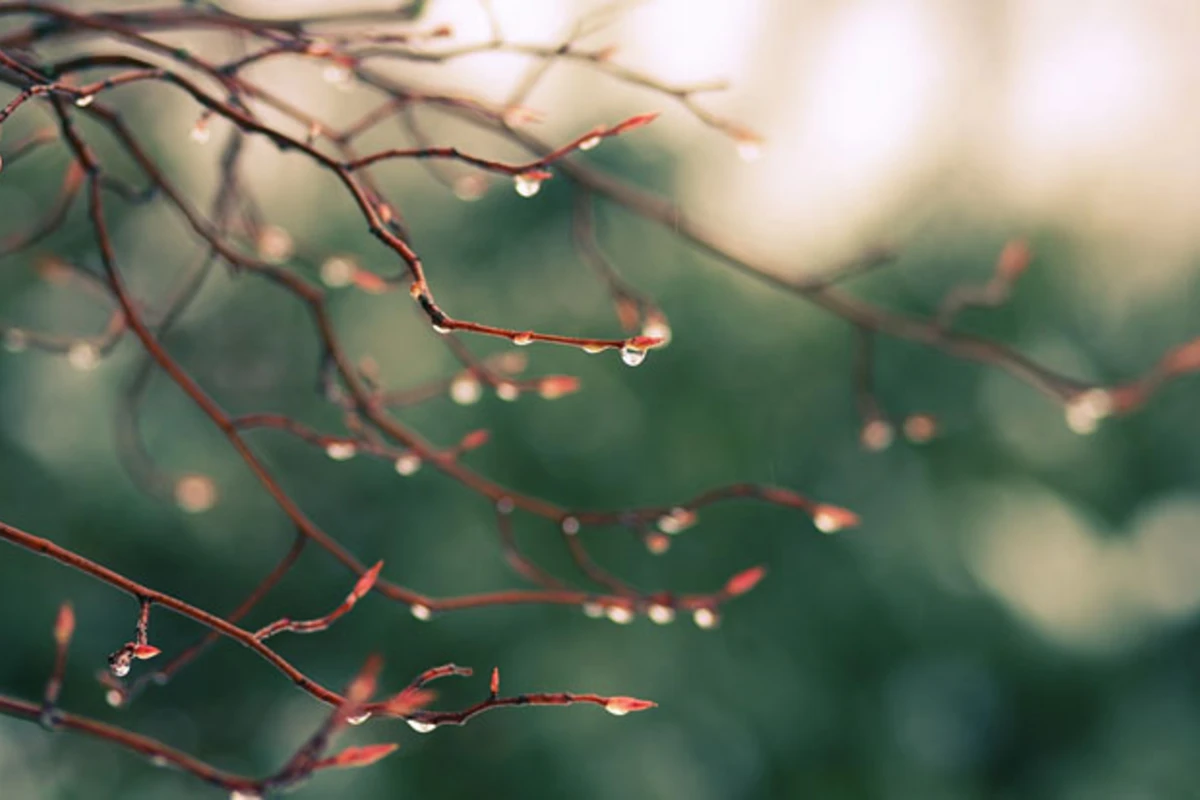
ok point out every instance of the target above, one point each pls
(338, 271)
(527, 186)
(442, 329)
(593, 610)
(420, 726)
(341, 451)
(275, 245)
(1085, 410)
(244, 794)
(119, 668)
(622, 615)
(660, 614)
(408, 463)
(114, 697)
(632, 356)
(827, 522)
(359, 719)
(705, 618)
(83, 356)
(158, 761)
(195, 494)
(85, 101)
(421, 612)
(570, 525)
(505, 505)
(336, 74)
(748, 150)
(15, 340)
(877, 435)
(592, 349)
(200, 131)
(616, 709)
(507, 391)
(523, 339)
(470, 187)
(676, 521)
(590, 143)
(465, 389)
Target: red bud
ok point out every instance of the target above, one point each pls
(495, 687)
(620, 706)
(745, 581)
(635, 122)
(475, 439)
(145, 651)
(365, 583)
(358, 756)
(64, 624)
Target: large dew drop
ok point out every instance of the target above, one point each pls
(632, 356)
(527, 186)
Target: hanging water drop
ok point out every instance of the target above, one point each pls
(465, 389)
(421, 612)
(660, 614)
(632, 356)
(592, 349)
(407, 464)
(622, 615)
(114, 697)
(442, 329)
(341, 451)
(83, 356)
(200, 132)
(527, 185)
(705, 618)
(570, 525)
(590, 143)
(593, 610)
(507, 391)
(523, 339)
(358, 719)
(421, 726)
(1085, 410)
(877, 435)
(85, 101)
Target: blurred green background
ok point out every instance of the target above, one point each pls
(1015, 618)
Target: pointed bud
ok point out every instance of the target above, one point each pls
(475, 439)
(365, 583)
(745, 581)
(407, 702)
(1013, 260)
(143, 652)
(495, 685)
(369, 282)
(1184, 358)
(357, 756)
(635, 122)
(64, 624)
(553, 387)
(620, 706)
